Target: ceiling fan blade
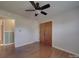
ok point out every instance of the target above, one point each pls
(45, 6)
(33, 4)
(44, 13)
(37, 4)
(29, 10)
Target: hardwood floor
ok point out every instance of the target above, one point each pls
(34, 50)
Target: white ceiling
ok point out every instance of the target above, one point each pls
(18, 7)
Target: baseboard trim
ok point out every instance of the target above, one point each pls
(6, 44)
(24, 44)
(76, 54)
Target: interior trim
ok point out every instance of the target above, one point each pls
(75, 54)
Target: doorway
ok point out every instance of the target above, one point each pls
(7, 31)
(46, 33)
(1, 32)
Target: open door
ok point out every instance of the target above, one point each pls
(46, 33)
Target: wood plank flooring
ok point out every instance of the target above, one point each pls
(34, 50)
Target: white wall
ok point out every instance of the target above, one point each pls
(66, 31)
(24, 28)
(36, 31)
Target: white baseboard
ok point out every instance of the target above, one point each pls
(16, 46)
(76, 54)
(6, 44)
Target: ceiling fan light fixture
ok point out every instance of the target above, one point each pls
(37, 11)
(36, 14)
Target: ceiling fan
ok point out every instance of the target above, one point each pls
(38, 9)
